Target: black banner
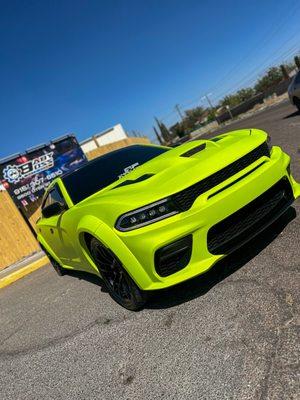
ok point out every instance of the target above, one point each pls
(26, 176)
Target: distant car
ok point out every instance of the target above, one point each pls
(294, 91)
(148, 217)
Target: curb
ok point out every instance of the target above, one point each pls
(14, 276)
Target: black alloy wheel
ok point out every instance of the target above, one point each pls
(119, 284)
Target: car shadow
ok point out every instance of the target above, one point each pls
(85, 276)
(200, 285)
(294, 114)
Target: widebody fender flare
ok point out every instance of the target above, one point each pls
(110, 239)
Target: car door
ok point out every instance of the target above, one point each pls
(52, 229)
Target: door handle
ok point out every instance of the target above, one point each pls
(51, 230)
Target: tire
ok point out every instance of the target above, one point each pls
(118, 283)
(58, 269)
(297, 103)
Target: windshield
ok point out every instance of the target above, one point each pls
(103, 171)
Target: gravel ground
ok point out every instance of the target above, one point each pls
(230, 334)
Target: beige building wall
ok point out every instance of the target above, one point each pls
(111, 135)
(116, 145)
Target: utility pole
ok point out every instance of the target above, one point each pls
(229, 111)
(177, 108)
(208, 100)
(210, 105)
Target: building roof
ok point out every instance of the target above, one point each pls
(99, 134)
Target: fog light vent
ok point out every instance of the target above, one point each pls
(174, 256)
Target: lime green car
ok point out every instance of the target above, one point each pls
(147, 217)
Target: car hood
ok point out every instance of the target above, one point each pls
(174, 170)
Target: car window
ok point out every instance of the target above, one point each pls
(297, 79)
(107, 169)
(54, 196)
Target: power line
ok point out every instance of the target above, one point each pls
(260, 45)
(253, 73)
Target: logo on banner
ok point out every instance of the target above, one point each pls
(15, 173)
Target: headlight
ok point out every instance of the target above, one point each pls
(269, 143)
(147, 215)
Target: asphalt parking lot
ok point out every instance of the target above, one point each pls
(230, 334)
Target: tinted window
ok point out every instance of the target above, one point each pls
(54, 196)
(297, 80)
(106, 169)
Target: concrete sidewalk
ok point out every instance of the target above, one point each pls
(22, 268)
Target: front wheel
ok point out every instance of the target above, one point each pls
(119, 284)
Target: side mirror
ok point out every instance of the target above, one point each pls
(53, 209)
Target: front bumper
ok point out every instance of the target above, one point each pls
(207, 211)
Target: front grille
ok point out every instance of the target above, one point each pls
(244, 224)
(186, 197)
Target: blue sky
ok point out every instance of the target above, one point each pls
(83, 66)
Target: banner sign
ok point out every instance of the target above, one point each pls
(27, 176)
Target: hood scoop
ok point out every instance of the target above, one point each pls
(131, 181)
(194, 150)
(216, 139)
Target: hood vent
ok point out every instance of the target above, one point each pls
(216, 139)
(131, 181)
(194, 150)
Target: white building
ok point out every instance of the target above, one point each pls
(110, 135)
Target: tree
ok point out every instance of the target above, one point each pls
(234, 99)
(157, 135)
(284, 71)
(291, 66)
(191, 119)
(193, 116)
(211, 116)
(163, 131)
(229, 100)
(245, 94)
(272, 77)
(178, 129)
